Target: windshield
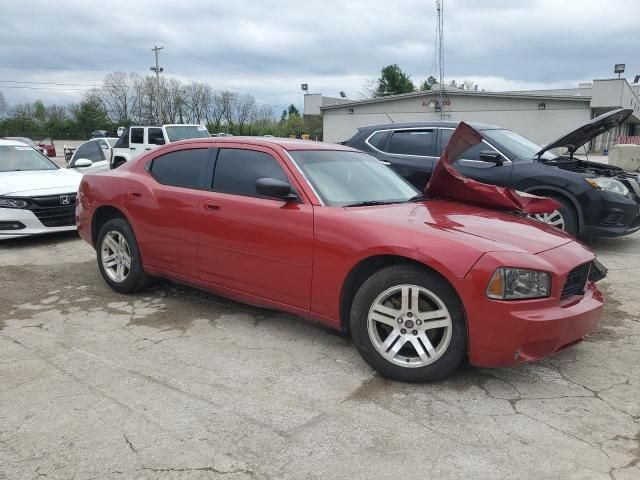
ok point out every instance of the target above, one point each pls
(111, 141)
(342, 178)
(183, 132)
(26, 140)
(517, 144)
(18, 158)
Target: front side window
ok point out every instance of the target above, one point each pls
(237, 171)
(23, 158)
(184, 168)
(137, 135)
(472, 153)
(89, 150)
(342, 178)
(412, 142)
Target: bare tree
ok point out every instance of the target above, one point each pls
(244, 107)
(215, 111)
(227, 102)
(172, 99)
(4, 106)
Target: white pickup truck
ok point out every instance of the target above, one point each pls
(136, 140)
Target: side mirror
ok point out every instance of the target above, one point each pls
(159, 141)
(275, 188)
(82, 163)
(491, 156)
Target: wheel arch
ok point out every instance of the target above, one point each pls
(548, 189)
(366, 267)
(101, 216)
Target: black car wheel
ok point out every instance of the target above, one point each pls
(408, 323)
(565, 218)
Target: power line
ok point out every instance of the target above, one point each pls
(52, 83)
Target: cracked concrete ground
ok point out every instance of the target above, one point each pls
(174, 383)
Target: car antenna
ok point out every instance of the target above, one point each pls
(389, 117)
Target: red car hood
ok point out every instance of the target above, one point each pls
(487, 230)
(447, 182)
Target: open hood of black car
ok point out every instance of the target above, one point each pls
(590, 130)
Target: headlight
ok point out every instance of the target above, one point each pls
(12, 203)
(608, 184)
(516, 284)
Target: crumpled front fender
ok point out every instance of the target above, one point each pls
(447, 182)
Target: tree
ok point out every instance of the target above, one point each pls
(393, 81)
(244, 108)
(425, 85)
(4, 106)
(292, 110)
(91, 114)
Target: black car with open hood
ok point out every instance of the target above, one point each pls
(595, 199)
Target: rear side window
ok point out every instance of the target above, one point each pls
(184, 168)
(238, 170)
(412, 142)
(153, 134)
(378, 140)
(123, 140)
(137, 135)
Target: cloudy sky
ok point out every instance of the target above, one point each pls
(268, 48)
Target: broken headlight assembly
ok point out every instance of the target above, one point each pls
(518, 284)
(608, 184)
(13, 203)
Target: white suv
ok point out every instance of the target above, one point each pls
(136, 140)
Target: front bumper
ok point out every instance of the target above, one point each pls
(506, 333)
(607, 214)
(32, 225)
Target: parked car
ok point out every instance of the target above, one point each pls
(49, 146)
(29, 142)
(35, 195)
(595, 199)
(93, 155)
(136, 140)
(329, 233)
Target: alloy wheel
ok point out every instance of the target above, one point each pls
(409, 325)
(116, 256)
(555, 219)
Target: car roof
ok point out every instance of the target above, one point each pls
(12, 143)
(288, 144)
(433, 124)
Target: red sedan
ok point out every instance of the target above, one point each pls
(332, 235)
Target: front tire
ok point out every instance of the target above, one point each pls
(408, 324)
(565, 218)
(119, 257)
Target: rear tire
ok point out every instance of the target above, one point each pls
(408, 323)
(118, 257)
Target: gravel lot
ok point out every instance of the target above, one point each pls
(175, 383)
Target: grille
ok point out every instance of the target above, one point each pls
(51, 212)
(576, 281)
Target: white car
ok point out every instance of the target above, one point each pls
(36, 196)
(93, 155)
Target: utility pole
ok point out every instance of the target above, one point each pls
(440, 36)
(157, 69)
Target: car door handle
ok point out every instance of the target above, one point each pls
(135, 194)
(132, 148)
(384, 162)
(148, 148)
(211, 206)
